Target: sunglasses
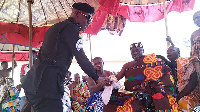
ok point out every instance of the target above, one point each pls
(88, 17)
(135, 45)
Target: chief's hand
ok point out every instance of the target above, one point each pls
(106, 81)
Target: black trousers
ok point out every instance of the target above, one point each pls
(42, 104)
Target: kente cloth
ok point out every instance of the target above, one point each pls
(13, 103)
(114, 24)
(94, 102)
(145, 75)
(66, 100)
(81, 92)
(185, 67)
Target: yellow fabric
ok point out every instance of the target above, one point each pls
(152, 73)
(126, 107)
(185, 67)
(173, 103)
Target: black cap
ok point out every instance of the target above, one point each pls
(83, 7)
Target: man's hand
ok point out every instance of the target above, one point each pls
(169, 40)
(105, 81)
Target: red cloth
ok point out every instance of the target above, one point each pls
(97, 22)
(19, 56)
(106, 7)
(157, 96)
(151, 13)
(13, 28)
(134, 13)
(23, 69)
(19, 34)
(110, 6)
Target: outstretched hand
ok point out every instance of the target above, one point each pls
(169, 40)
(106, 81)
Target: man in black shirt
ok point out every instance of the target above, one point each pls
(44, 82)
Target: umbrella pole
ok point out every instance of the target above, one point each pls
(30, 37)
(30, 32)
(166, 26)
(13, 59)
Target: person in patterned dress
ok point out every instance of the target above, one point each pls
(186, 73)
(148, 85)
(188, 70)
(79, 93)
(13, 103)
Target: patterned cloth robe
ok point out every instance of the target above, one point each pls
(13, 103)
(94, 102)
(185, 67)
(146, 76)
(81, 92)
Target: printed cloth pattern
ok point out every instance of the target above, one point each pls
(81, 92)
(185, 67)
(13, 103)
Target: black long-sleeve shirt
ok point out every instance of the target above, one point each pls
(61, 43)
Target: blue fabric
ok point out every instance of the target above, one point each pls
(22, 102)
(95, 103)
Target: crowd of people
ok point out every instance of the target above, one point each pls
(152, 82)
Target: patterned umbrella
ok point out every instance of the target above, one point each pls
(43, 11)
(37, 13)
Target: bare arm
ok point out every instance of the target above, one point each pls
(121, 74)
(193, 81)
(71, 86)
(93, 87)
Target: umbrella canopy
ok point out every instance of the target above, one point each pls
(43, 11)
(48, 12)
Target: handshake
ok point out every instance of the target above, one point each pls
(105, 81)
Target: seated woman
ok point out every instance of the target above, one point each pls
(146, 79)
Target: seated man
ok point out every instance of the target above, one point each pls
(5, 72)
(185, 72)
(95, 103)
(146, 81)
(79, 93)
